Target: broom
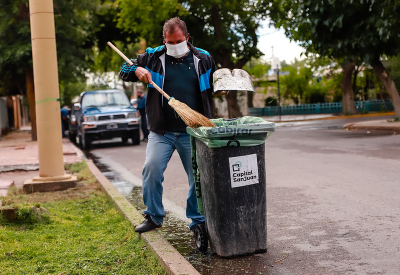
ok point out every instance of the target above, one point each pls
(191, 118)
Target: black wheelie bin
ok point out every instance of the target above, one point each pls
(229, 171)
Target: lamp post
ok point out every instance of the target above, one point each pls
(276, 64)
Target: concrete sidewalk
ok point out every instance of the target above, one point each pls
(382, 125)
(19, 159)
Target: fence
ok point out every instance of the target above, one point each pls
(322, 108)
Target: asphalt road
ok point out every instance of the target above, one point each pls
(333, 202)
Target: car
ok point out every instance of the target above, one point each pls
(106, 114)
(134, 102)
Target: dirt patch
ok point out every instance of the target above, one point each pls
(87, 185)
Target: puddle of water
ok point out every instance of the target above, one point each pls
(181, 238)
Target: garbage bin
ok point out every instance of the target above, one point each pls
(229, 171)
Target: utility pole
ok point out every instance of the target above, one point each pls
(279, 92)
(277, 65)
(52, 175)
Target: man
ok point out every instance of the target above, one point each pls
(141, 106)
(183, 72)
(64, 120)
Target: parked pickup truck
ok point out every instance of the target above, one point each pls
(106, 114)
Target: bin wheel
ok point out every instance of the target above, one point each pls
(201, 237)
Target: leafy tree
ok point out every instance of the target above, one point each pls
(226, 29)
(71, 89)
(349, 31)
(75, 21)
(258, 70)
(316, 92)
(296, 83)
(271, 101)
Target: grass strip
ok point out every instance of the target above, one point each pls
(83, 234)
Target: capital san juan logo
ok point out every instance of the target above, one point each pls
(243, 170)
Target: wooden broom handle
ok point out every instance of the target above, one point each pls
(119, 52)
(130, 63)
(160, 90)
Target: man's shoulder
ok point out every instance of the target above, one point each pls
(154, 50)
(201, 51)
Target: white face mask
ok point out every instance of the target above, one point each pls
(177, 50)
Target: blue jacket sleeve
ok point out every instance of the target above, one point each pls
(127, 72)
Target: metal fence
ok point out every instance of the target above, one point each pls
(322, 108)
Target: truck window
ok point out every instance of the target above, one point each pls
(105, 99)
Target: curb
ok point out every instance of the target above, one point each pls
(339, 117)
(355, 127)
(172, 261)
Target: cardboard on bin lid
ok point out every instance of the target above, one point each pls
(237, 80)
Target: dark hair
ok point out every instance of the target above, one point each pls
(171, 24)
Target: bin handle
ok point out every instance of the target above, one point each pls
(233, 141)
(231, 119)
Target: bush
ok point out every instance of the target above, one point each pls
(271, 101)
(24, 214)
(315, 93)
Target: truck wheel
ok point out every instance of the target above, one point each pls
(201, 237)
(72, 137)
(135, 137)
(86, 142)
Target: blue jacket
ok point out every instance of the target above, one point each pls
(154, 61)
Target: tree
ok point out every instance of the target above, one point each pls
(226, 29)
(257, 69)
(74, 21)
(350, 31)
(296, 83)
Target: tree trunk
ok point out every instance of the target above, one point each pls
(233, 106)
(366, 87)
(224, 58)
(250, 96)
(347, 90)
(389, 85)
(30, 92)
(355, 73)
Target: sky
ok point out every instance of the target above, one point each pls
(283, 48)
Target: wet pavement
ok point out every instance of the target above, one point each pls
(177, 233)
(332, 203)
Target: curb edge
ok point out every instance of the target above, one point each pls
(172, 261)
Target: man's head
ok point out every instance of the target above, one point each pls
(139, 94)
(175, 31)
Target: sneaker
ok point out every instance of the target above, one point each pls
(146, 225)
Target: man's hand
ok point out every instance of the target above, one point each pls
(143, 75)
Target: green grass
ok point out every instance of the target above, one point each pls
(81, 235)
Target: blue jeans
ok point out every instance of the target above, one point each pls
(158, 153)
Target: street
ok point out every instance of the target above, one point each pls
(332, 197)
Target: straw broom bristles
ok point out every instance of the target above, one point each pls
(191, 118)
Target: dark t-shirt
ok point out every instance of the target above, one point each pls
(181, 82)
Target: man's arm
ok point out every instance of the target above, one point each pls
(213, 69)
(136, 71)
